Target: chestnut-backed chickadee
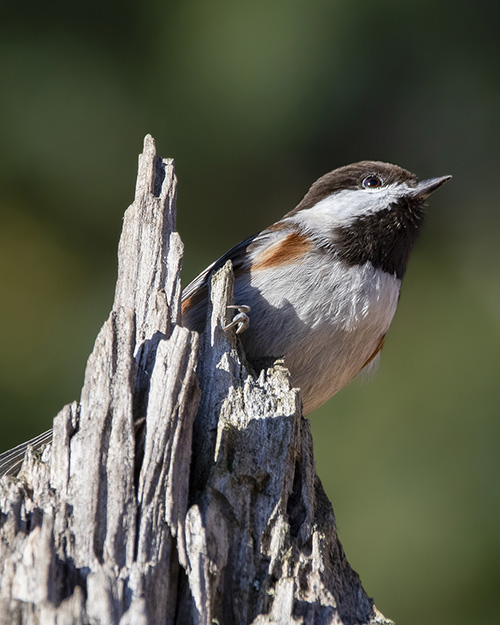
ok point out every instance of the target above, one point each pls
(320, 286)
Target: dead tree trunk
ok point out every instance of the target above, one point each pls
(160, 504)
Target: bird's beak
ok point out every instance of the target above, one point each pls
(426, 187)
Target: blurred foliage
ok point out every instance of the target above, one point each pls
(255, 101)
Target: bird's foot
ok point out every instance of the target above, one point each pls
(241, 320)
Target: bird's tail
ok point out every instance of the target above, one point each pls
(11, 460)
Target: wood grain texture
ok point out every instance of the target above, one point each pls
(180, 489)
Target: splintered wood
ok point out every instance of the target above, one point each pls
(181, 488)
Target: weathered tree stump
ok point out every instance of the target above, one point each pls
(181, 488)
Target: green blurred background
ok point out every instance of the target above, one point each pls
(255, 101)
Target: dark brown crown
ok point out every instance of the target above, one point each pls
(351, 177)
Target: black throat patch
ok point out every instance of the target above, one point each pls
(385, 238)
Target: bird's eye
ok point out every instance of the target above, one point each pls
(372, 182)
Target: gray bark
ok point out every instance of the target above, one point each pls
(181, 488)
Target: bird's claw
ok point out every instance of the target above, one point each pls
(241, 321)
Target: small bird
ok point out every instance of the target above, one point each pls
(321, 285)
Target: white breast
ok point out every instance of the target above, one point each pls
(324, 317)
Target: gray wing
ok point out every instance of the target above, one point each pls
(193, 300)
(11, 460)
(195, 295)
(235, 254)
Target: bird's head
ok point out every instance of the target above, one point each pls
(366, 212)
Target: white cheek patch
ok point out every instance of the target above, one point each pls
(343, 207)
